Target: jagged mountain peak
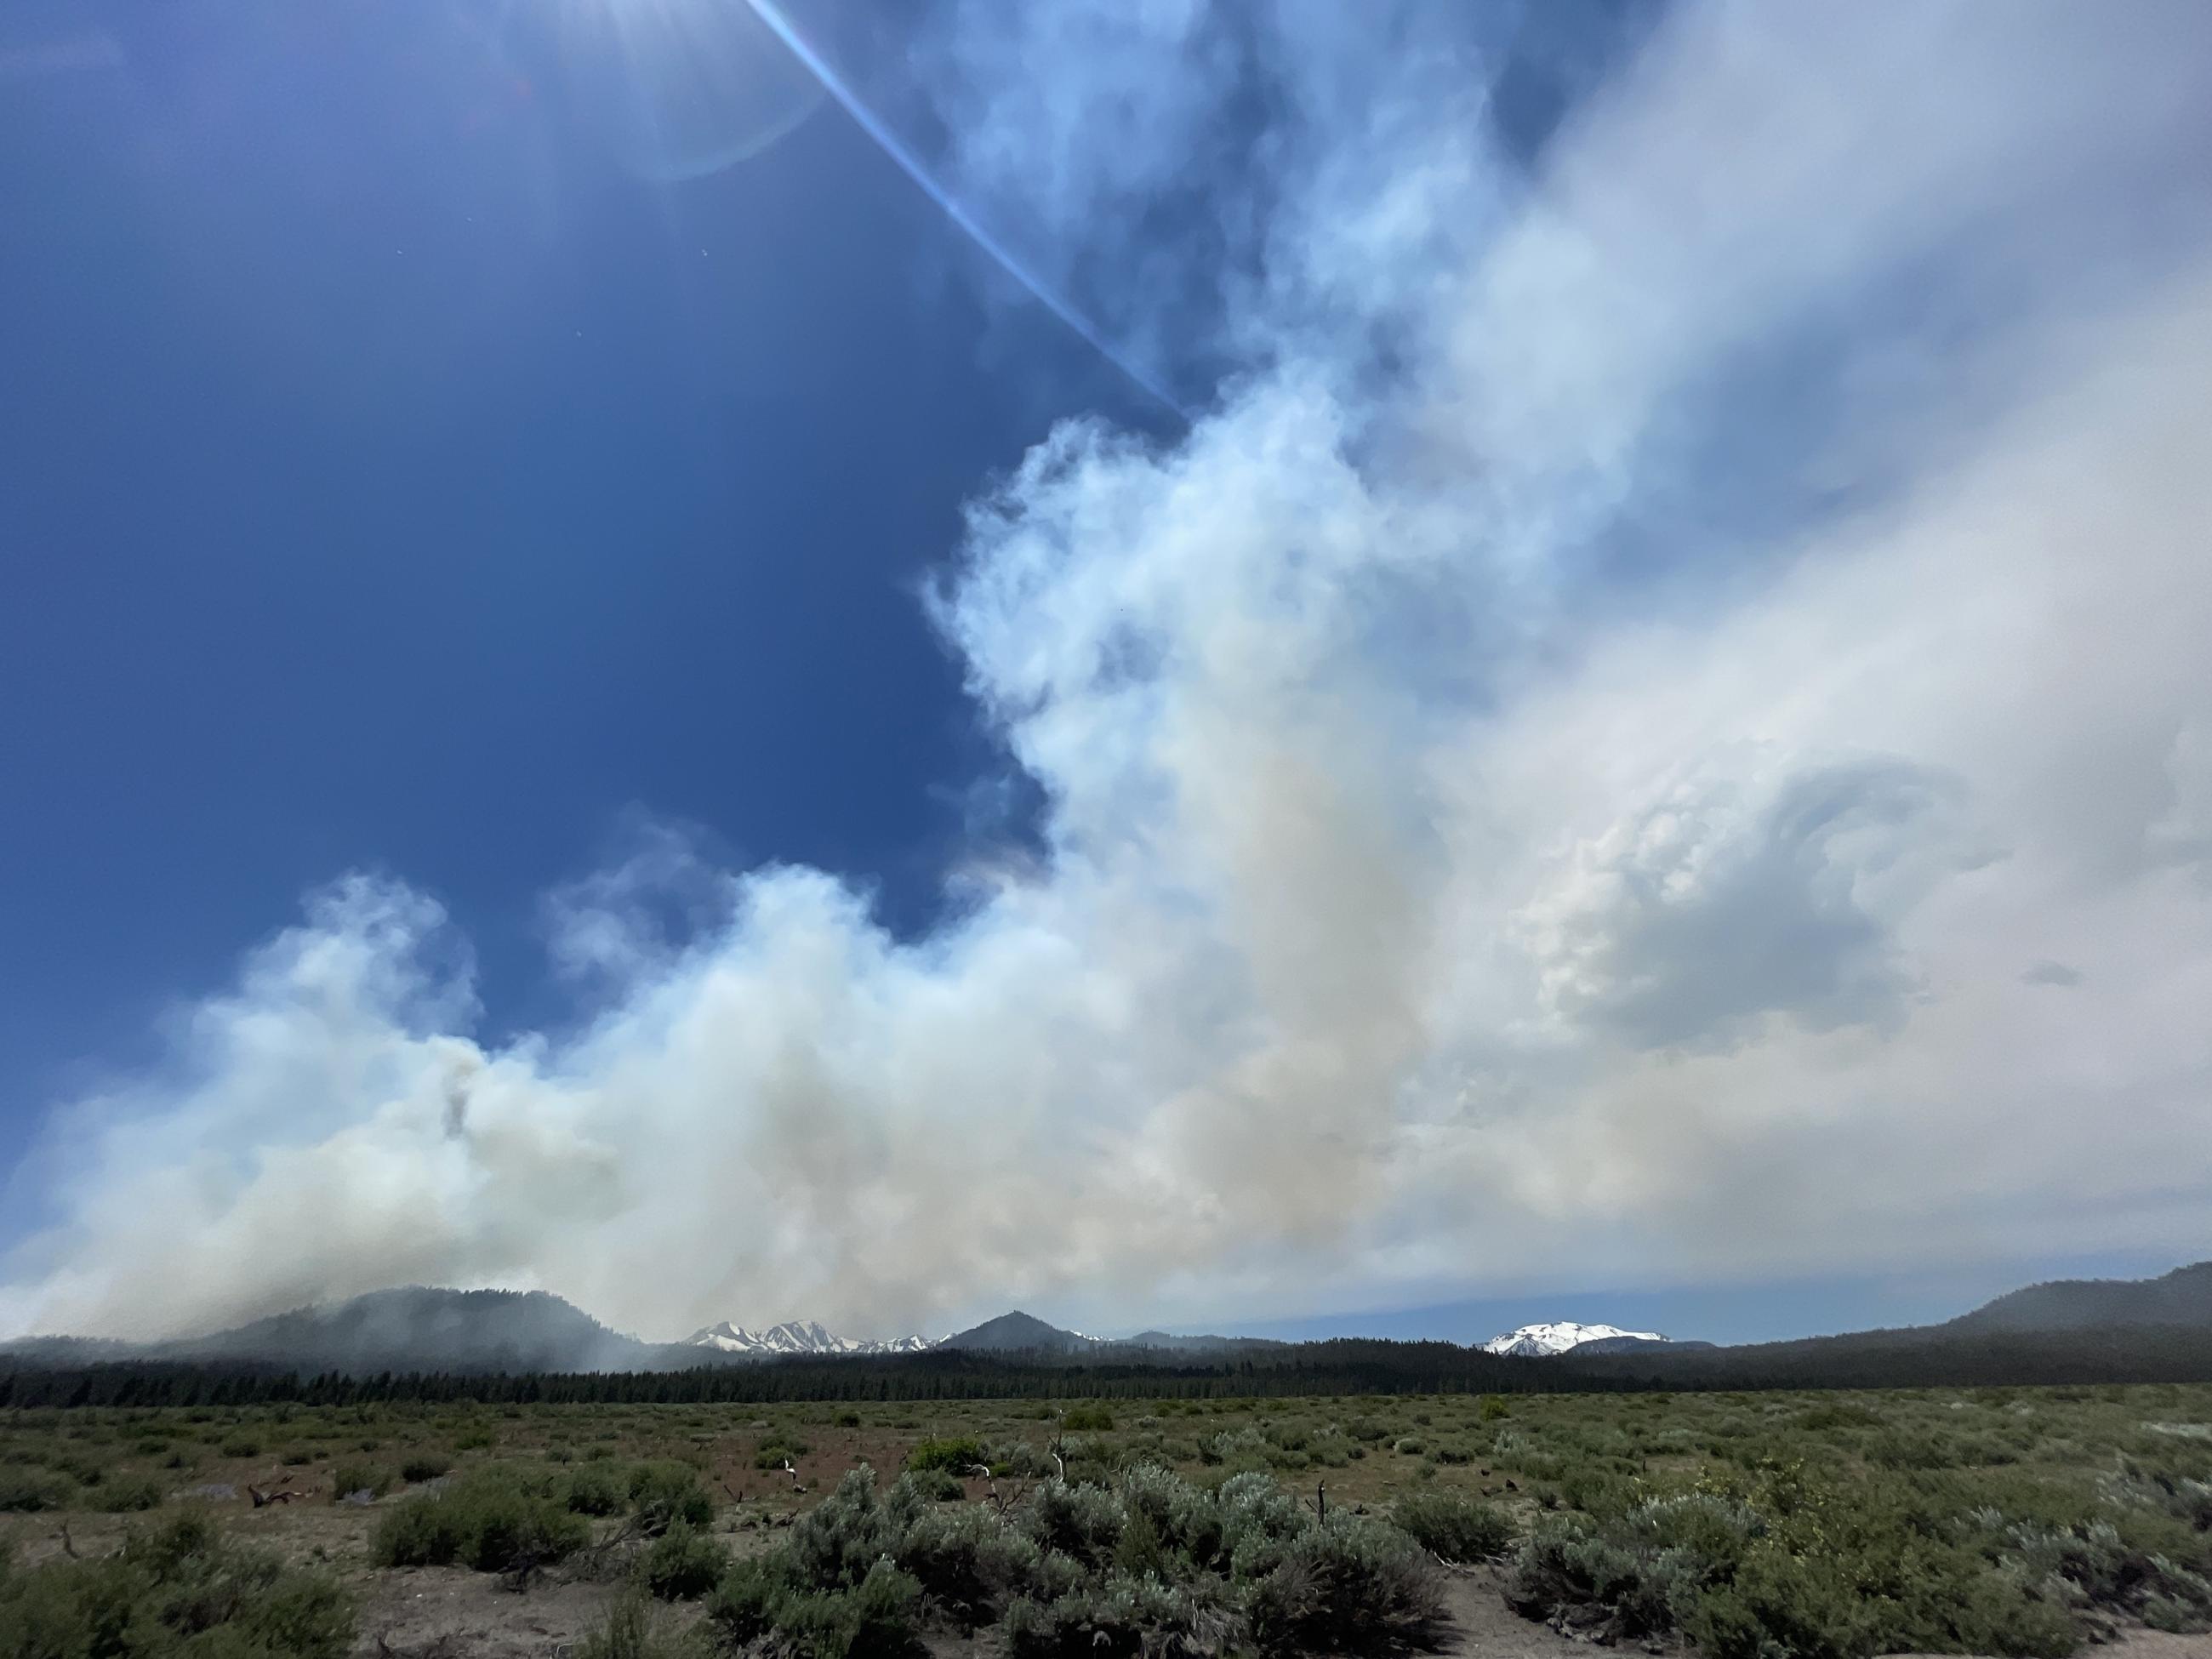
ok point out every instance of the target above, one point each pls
(1541, 1341)
(1018, 1332)
(795, 1336)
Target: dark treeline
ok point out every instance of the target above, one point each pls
(1329, 1368)
(1957, 1355)
(1870, 1359)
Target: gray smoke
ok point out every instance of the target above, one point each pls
(1569, 770)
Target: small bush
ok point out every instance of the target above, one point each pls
(1119, 1618)
(970, 1562)
(1564, 1570)
(683, 1563)
(242, 1446)
(779, 1450)
(347, 1479)
(1454, 1529)
(590, 1491)
(1087, 1420)
(939, 1486)
(1351, 1583)
(873, 1619)
(175, 1593)
(636, 1629)
(958, 1455)
(492, 1520)
(1080, 1520)
(848, 1419)
(24, 1492)
(663, 1493)
(424, 1467)
(128, 1496)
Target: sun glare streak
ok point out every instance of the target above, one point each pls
(911, 164)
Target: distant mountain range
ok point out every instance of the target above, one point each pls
(1020, 1333)
(1542, 1341)
(795, 1336)
(434, 1330)
(1009, 1333)
(1583, 1341)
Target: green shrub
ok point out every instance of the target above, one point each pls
(939, 1486)
(778, 1450)
(24, 1492)
(491, 1519)
(1493, 1409)
(424, 1467)
(1351, 1583)
(848, 1419)
(958, 1455)
(1908, 1449)
(590, 1491)
(663, 1493)
(1452, 1528)
(683, 1563)
(127, 1496)
(1080, 1520)
(175, 1593)
(1087, 1420)
(242, 1446)
(637, 1629)
(347, 1479)
(1564, 1570)
(1018, 1458)
(970, 1562)
(1119, 1618)
(742, 1608)
(872, 1620)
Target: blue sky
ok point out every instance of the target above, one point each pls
(397, 479)
(591, 683)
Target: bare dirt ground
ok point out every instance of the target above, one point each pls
(450, 1612)
(1484, 1627)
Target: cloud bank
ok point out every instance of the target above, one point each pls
(1660, 728)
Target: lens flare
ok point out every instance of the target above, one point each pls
(686, 88)
(826, 76)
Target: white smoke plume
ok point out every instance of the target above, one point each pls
(1661, 728)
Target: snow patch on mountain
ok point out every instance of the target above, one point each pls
(1540, 1342)
(796, 1336)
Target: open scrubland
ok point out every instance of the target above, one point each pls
(1994, 1521)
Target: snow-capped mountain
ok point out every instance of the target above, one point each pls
(1539, 1341)
(796, 1336)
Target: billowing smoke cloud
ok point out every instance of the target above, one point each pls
(1662, 728)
